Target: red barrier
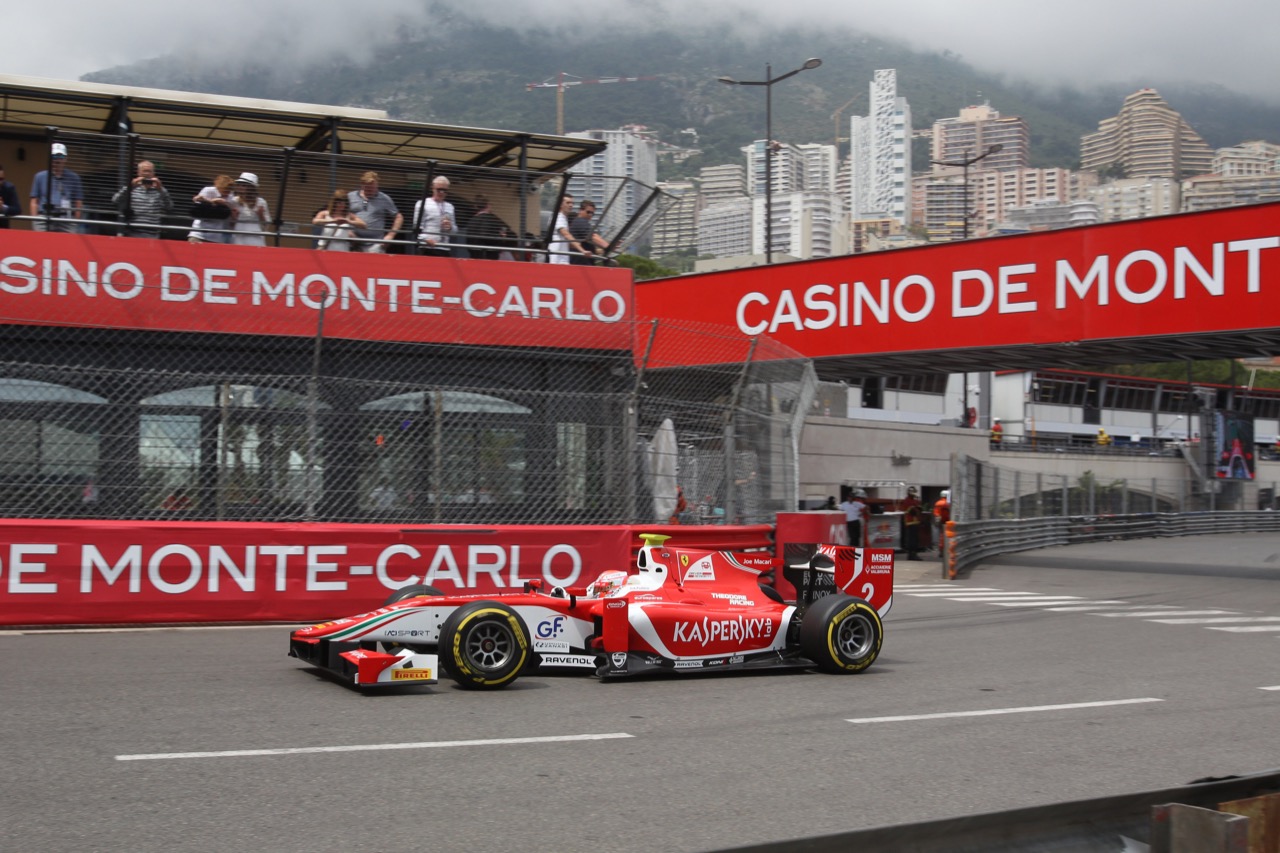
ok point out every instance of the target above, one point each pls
(124, 572)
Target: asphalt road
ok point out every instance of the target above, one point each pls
(1054, 675)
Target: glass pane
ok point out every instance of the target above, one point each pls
(169, 452)
(31, 391)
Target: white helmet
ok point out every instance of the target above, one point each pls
(607, 583)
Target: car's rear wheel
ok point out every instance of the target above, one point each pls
(404, 593)
(484, 645)
(840, 633)
(412, 591)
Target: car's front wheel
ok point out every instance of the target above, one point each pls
(840, 633)
(484, 645)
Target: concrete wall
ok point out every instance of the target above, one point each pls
(834, 451)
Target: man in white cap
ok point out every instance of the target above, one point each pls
(57, 194)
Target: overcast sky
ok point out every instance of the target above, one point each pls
(1229, 42)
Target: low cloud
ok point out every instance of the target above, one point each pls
(1082, 43)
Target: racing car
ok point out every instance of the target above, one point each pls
(679, 610)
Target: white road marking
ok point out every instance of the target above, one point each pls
(960, 594)
(993, 711)
(1032, 602)
(145, 629)
(1218, 620)
(1270, 688)
(1096, 605)
(369, 747)
(1243, 629)
(1144, 614)
(1026, 596)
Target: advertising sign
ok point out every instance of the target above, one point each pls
(1213, 271)
(120, 282)
(121, 572)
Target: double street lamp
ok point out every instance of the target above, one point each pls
(768, 82)
(964, 165)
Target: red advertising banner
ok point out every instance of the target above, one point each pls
(119, 282)
(1213, 271)
(121, 572)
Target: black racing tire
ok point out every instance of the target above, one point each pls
(411, 591)
(484, 645)
(840, 633)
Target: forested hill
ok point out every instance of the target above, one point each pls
(468, 73)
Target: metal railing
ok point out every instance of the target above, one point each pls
(999, 510)
(296, 184)
(971, 542)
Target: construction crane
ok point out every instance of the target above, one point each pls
(560, 83)
(839, 114)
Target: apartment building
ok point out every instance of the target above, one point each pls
(1146, 139)
(978, 129)
(1136, 198)
(880, 154)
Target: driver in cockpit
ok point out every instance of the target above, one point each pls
(607, 583)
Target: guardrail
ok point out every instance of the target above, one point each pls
(970, 542)
(1138, 821)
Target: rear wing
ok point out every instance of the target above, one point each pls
(865, 573)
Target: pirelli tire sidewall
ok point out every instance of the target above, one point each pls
(841, 634)
(471, 625)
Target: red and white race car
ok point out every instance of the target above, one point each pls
(680, 610)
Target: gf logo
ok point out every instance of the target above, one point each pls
(549, 628)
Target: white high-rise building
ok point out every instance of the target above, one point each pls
(724, 228)
(619, 179)
(880, 155)
(806, 224)
(676, 230)
(799, 171)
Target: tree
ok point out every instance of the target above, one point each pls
(644, 268)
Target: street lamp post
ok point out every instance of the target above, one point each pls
(964, 165)
(768, 82)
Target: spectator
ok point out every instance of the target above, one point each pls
(143, 200)
(339, 224)
(249, 216)
(942, 514)
(487, 234)
(562, 239)
(213, 225)
(854, 511)
(57, 195)
(997, 432)
(587, 242)
(9, 204)
(912, 515)
(177, 501)
(1103, 439)
(435, 217)
(383, 219)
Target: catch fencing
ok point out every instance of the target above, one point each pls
(998, 510)
(114, 423)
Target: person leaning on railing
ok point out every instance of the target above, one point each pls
(9, 204)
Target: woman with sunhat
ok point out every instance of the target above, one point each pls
(249, 216)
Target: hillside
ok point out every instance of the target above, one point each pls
(467, 73)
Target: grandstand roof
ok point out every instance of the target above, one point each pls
(32, 104)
